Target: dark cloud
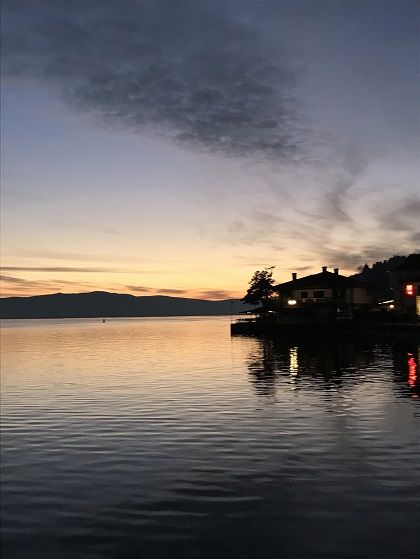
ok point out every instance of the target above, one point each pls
(139, 288)
(15, 285)
(194, 71)
(171, 291)
(352, 259)
(155, 290)
(205, 74)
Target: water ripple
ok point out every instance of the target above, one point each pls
(164, 438)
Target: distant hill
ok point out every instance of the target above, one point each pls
(103, 304)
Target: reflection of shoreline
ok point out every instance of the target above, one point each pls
(313, 365)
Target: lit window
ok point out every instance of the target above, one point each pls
(409, 289)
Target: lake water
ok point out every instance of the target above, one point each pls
(167, 438)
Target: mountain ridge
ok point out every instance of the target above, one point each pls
(103, 304)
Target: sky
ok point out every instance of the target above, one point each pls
(175, 147)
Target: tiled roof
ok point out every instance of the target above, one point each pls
(320, 281)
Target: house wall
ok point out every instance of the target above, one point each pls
(410, 303)
(328, 293)
(402, 301)
(352, 296)
(357, 296)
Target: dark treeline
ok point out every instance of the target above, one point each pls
(378, 277)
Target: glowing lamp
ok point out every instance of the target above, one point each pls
(409, 289)
(391, 306)
(291, 302)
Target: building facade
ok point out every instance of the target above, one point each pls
(405, 281)
(324, 293)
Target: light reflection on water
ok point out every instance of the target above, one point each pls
(165, 438)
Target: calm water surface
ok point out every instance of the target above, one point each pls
(167, 438)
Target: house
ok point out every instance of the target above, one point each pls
(323, 293)
(405, 282)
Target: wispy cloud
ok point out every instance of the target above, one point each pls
(77, 269)
(139, 288)
(200, 293)
(351, 168)
(401, 215)
(215, 294)
(168, 291)
(206, 76)
(84, 226)
(155, 290)
(13, 285)
(67, 269)
(70, 256)
(15, 281)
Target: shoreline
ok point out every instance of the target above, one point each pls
(384, 331)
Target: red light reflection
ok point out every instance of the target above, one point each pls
(412, 370)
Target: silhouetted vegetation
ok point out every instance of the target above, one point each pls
(260, 287)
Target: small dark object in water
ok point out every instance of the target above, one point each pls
(103, 320)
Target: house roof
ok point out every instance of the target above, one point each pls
(322, 280)
(410, 264)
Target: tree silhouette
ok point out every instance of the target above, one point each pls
(260, 287)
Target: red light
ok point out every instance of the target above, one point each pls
(409, 289)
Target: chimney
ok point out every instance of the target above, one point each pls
(294, 276)
(336, 271)
(324, 268)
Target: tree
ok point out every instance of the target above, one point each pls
(260, 287)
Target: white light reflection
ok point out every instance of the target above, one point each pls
(293, 363)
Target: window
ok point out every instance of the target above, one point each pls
(409, 289)
(304, 294)
(318, 294)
